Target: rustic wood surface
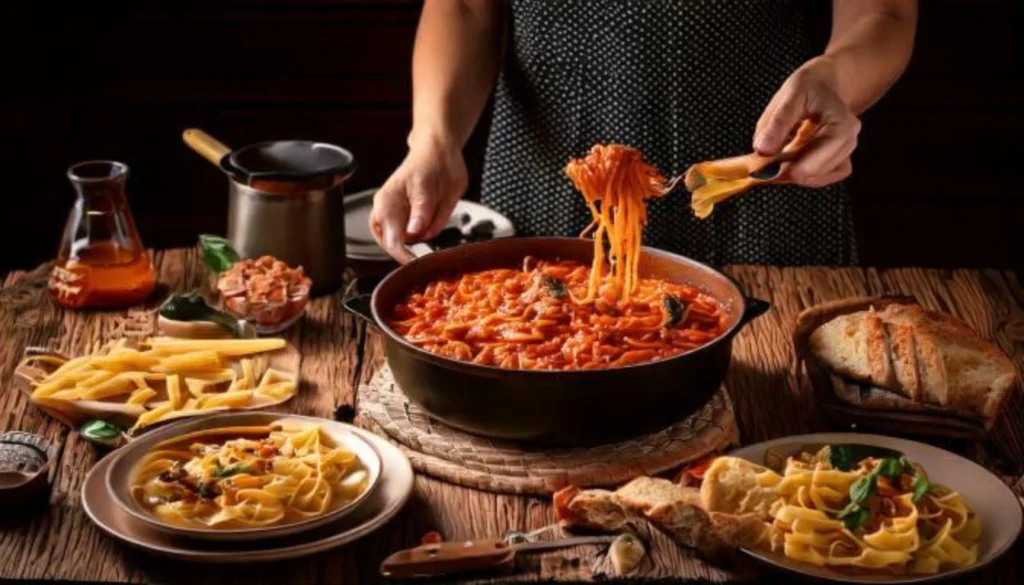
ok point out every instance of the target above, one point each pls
(57, 542)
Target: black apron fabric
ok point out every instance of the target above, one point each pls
(683, 81)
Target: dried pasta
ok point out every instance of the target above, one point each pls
(163, 378)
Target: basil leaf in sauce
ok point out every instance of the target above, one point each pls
(101, 432)
(674, 308)
(218, 254)
(222, 472)
(556, 288)
(921, 487)
(854, 518)
(191, 307)
(845, 457)
(841, 457)
(890, 467)
(863, 488)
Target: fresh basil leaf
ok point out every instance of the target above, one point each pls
(851, 453)
(218, 254)
(191, 307)
(841, 457)
(556, 288)
(921, 487)
(856, 518)
(890, 467)
(675, 309)
(222, 472)
(101, 432)
(863, 488)
(908, 467)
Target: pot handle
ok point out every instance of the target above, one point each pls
(754, 309)
(356, 301)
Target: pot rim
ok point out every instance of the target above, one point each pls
(725, 337)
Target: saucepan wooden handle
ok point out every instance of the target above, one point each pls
(207, 146)
(445, 558)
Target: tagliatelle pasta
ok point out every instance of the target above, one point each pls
(896, 525)
(247, 477)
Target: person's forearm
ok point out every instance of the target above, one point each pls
(871, 44)
(458, 49)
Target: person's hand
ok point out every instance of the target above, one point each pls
(417, 200)
(810, 93)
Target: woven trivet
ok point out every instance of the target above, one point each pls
(498, 466)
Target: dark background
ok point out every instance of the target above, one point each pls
(935, 182)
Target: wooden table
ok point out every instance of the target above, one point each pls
(339, 353)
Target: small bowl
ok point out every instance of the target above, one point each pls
(119, 474)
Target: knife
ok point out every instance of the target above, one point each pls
(445, 558)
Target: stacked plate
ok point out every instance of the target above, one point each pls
(469, 222)
(109, 501)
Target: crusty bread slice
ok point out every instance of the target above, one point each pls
(736, 486)
(591, 509)
(675, 509)
(927, 356)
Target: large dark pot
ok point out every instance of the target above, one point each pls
(553, 407)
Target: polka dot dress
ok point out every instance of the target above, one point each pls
(683, 81)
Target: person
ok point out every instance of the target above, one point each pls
(681, 80)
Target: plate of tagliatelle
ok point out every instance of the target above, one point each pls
(243, 476)
(860, 508)
(140, 384)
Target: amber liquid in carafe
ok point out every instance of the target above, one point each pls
(101, 262)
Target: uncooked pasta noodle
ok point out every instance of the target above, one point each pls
(247, 477)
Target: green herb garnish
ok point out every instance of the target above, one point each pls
(674, 307)
(101, 432)
(191, 307)
(855, 518)
(218, 254)
(890, 467)
(841, 457)
(207, 491)
(864, 488)
(222, 472)
(555, 287)
(921, 487)
(846, 457)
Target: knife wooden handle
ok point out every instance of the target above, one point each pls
(444, 558)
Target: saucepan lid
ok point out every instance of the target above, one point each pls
(277, 160)
(291, 159)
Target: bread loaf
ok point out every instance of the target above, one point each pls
(680, 511)
(926, 356)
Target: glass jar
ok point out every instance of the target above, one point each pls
(101, 262)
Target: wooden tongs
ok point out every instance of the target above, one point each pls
(714, 181)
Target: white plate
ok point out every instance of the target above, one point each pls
(997, 506)
(393, 490)
(359, 242)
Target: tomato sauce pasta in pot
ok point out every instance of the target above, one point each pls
(557, 314)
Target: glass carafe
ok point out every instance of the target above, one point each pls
(101, 262)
